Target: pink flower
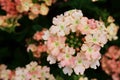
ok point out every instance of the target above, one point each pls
(91, 51)
(115, 77)
(32, 71)
(94, 64)
(92, 23)
(35, 9)
(67, 58)
(111, 63)
(66, 30)
(97, 38)
(9, 7)
(54, 44)
(38, 36)
(113, 52)
(41, 48)
(79, 69)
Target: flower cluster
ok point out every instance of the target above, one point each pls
(73, 41)
(33, 71)
(38, 47)
(17, 8)
(70, 42)
(110, 62)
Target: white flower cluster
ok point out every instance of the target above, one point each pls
(33, 71)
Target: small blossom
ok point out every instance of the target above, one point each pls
(79, 69)
(112, 30)
(38, 35)
(51, 59)
(83, 78)
(25, 5)
(67, 70)
(32, 16)
(35, 9)
(48, 2)
(110, 19)
(32, 47)
(43, 9)
(46, 35)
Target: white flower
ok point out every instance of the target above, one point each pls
(76, 14)
(60, 30)
(79, 69)
(97, 37)
(20, 74)
(4, 74)
(95, 64)
(58, 20)
(112, 30)
(67, 70)
(46, 35)
(51, 59)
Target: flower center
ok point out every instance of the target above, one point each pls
(74, 40)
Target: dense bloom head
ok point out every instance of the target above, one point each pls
(111, 62)
(82, 42)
